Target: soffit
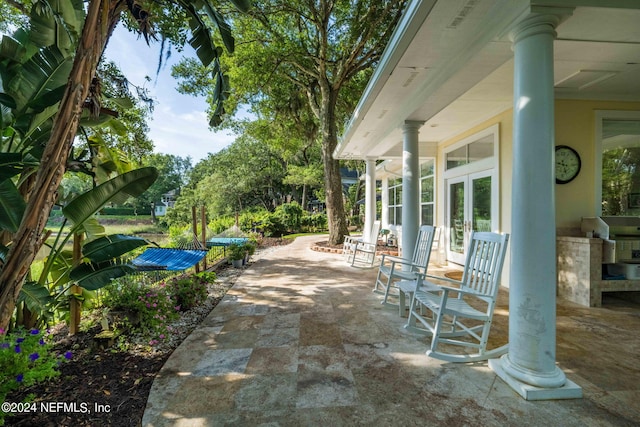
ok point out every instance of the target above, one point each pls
(454, 79)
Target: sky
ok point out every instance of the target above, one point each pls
(180, 125)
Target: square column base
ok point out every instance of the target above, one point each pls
(569, 390)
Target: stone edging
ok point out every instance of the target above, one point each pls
(317, 248)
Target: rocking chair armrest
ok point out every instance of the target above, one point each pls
(365, 247)
(391, 258)
(397, 260)
(422, 281)
(445, 279)
(352, 239)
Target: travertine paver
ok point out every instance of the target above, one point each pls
(300, 340)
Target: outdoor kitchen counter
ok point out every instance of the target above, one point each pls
(579, 269)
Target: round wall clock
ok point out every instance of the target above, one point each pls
(567, 164)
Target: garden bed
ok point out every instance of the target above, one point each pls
(107, 386)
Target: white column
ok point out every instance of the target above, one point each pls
(384, 196)
(410, 187)
(531, 360)
(369, 198)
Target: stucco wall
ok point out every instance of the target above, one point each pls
(575, 127)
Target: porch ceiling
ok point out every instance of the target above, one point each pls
(452, 67)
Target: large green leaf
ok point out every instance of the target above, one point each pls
(92, 228)
(11, 206)
(223, 27)
(59, 25)
(200, 39)
(96, 276)
(45, 71)
(7, 100)
(112, 246)
(117, 190)
(11, 164)
(36, 297)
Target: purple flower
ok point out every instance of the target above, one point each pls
(34, 332)
(4, 345)
(19, 340)
(2, 331)
(18, 349)
(34, 356)
(41, 342)
(20, 377)
(68, 355)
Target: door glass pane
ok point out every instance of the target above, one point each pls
(456, 217)
(620, 167)
(481, 204)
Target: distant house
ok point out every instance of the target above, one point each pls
(166, 201)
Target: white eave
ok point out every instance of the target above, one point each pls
(449, 64)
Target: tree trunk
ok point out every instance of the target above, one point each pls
(303, 199)
(332, 180)
(102, 16)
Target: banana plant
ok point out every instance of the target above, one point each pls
(101, 254)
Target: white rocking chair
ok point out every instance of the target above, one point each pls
(363, 253)
(475, 302)
(350, 242)
(393, 269)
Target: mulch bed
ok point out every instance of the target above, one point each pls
(118, 381)
(324, 246)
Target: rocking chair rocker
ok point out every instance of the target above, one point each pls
(475, 302)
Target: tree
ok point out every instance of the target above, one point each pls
(245, 174)
(326, 49)
(172, 175)
(101, 18)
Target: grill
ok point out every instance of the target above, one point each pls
(621, 235)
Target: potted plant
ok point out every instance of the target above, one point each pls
(250, 249)
(236, 254)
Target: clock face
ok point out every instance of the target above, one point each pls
(567, 164)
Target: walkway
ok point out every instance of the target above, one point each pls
(301, 340)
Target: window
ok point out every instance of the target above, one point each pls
(427, 198)
(472, 152)
(395, 201)
(620, 141)
(427, 201)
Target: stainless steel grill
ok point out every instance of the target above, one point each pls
(621, 235)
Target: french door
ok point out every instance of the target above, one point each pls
(471, 205)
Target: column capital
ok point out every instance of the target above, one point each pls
(412, 125)
(540, 20)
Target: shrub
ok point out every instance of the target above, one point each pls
(147, 309)
(26, 358)
(290, 215)
(236, 251)
(188, 291)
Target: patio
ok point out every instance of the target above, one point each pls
(301, 340)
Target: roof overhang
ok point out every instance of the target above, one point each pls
(450, 64)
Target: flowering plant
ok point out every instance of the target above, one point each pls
(151, 306)
(26, 358)
(189, 291)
